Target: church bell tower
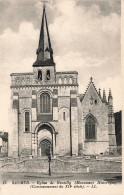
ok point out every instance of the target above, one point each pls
(44, 66)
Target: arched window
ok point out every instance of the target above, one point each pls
(63, 116)
(45, 103)
(90, 127)
(60, 81)
(27, 122)
(48, 75)
(40, 75)
(70, 80)
(65, 80)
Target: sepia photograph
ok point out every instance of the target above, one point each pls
(61, 97)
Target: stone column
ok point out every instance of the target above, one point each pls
(54, 143)
(111, 125)
(34, 105)
(34, 144)
(74, 122)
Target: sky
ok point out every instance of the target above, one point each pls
(85, 37)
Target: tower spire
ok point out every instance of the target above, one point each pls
(44, 51)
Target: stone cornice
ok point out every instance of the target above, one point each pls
(50, 85)
(67, 72)
(23, 73)
(31, 73)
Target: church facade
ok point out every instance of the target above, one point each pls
(49, 115)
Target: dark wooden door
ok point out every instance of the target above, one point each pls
(45, 147)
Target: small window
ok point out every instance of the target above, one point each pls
(70, 81)
(27, 122)
(63, 116)
(65, 80)
(48, 75)
(60, 81)
(95, 101)
(40, 75)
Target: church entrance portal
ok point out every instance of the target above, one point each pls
(45, 135)
(46, 147)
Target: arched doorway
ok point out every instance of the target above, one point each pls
(46, 147)
(45, 135)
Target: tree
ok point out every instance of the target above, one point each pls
(118, 127)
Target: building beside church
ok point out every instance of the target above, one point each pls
(48, 113)
(3, 144)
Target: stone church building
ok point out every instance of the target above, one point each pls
(48, 113)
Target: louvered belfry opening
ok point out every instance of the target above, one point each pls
(40, 75)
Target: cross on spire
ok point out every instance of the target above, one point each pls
(44, 3)
(91, 79)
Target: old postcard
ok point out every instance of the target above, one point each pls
(61, 97)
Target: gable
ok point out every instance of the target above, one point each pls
(91, 95)
(98, 109)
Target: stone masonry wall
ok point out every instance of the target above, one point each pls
(80, 128)
(60, 112)
(100, 111)
(24, 137)
(63, 137)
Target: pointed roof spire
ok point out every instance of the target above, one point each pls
(99, 92)
(44, 51)
(110, 98)
(110, 94)
(104, 96)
